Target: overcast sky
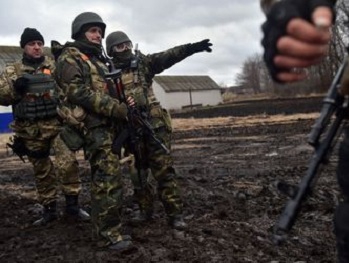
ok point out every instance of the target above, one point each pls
(233, 26)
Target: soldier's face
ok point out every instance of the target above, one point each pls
(94, 35)
(34, 49)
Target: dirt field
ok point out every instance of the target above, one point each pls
(228, 161)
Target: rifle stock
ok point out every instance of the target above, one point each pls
(323, 138)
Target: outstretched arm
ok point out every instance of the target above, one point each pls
(166, 59)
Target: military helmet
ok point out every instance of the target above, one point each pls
(116, 38)
(86, 18)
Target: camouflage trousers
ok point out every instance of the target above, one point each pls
(50, 177)
(106, 185)
(160, 164)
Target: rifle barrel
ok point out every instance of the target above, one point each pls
(331, 102)
(292, 208)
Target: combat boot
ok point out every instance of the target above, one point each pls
(122, 245)
(140, 216)
(177, 222)
(72, 208)
(49, 214)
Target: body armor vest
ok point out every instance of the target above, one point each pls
(138, 81)
(133, 87)
(38, 101)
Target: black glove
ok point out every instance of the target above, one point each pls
(20, 84)
(275, 26)
(203, 45)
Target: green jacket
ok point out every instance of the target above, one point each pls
(80, 73)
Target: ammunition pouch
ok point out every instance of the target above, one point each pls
(79, 119)
(72, 137)
(132, 90)
(38, 101)
(93, 120)
(160, 117)
(73, 117)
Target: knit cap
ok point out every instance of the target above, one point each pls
(30, 34)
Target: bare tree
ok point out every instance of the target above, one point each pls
(250, 75)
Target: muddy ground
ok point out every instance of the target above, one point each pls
(228, 162)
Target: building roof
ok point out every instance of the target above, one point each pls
(10, 54)
(186, 83)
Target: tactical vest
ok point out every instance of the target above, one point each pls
(133, 87)
(138, 82)
(94, 73)
(38, 101)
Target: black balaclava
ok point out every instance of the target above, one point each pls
(122, 59)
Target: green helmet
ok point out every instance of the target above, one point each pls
(115, 38)
(86, 18)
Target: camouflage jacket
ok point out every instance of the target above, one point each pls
(138, 82)
(39, 129)
(12, 71)
(81, 79)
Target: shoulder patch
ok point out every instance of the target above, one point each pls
(13, 70)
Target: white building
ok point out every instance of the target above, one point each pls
(5, 119)
(176, 92)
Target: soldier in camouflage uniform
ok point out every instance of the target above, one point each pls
(81, 74)
(29, 87)
(137, 81)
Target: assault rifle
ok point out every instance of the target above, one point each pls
(137, 126)
(323, 137)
